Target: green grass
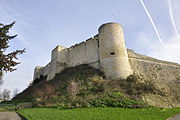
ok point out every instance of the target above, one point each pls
(98, 114)
(2, 109)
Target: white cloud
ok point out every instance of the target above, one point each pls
(169, 52)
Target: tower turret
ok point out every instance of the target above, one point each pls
(112, 52)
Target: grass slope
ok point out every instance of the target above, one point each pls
(98, 114)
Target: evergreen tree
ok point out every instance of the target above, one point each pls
(7, 60)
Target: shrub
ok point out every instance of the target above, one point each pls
(116, 99)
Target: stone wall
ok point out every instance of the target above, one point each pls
(86, 52)
(164, 75)
(105, 51)
(83, 53)
(154, 69)
(49, 70)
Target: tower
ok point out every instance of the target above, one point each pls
(112, 52)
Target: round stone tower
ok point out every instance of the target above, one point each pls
(112, 52)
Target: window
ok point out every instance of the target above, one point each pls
(112, 53)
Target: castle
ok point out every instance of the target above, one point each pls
(105, 51)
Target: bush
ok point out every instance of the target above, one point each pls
(116, 99)
(16, 101)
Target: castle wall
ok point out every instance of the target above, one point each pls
(49, 70)
(38, 71)
(92, 51)
(106, 51)
(55, 52)
(154, 69)
(165, 75)
(83, 53)
(138, 57)
(62, 56)
(160, 70)
(76, 55)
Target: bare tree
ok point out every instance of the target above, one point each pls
(6, 94)
(15, 92)
(0, 95)
(1, 81)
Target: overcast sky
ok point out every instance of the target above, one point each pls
(41, 25)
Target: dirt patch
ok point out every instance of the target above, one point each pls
(9, 116)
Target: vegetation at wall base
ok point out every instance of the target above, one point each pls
(17, 101)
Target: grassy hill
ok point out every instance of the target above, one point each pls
(84, 86)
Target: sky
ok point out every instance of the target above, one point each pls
(41, 25)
